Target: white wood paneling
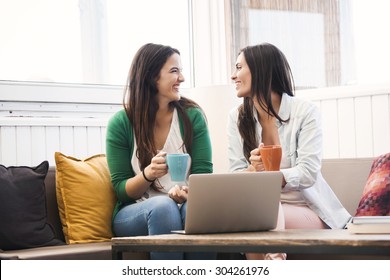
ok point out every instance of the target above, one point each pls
(346, 128)
(23, 144)
(103, 131)
(67, 140)
(30, 145)
(94, 142)
(81, 141)
(381, 128)
(38, 144)
(329, 123)
(53, 143)
(362, 124)
(363, 117)
(39, 119)
(8, 145)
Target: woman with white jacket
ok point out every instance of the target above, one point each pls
(271, 115)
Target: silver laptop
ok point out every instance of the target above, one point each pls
(234, 202)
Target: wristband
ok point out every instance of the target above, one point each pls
(150, 181)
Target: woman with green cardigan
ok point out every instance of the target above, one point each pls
(156, 120)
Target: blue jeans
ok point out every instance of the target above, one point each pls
(156, 215)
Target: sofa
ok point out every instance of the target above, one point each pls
(347, 177)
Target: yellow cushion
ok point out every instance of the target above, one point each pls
(85, 198)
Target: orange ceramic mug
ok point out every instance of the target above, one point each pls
(271, 156)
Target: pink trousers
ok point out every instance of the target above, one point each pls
(291, 217)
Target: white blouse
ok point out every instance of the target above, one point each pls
(173, 144)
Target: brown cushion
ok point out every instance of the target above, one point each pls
(87, 251)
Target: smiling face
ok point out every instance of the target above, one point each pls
(242, 77)
(168, 84)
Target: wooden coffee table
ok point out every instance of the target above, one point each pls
(293, 241)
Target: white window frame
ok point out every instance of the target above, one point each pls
(209, 64)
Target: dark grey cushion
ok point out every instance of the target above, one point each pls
(23, 214)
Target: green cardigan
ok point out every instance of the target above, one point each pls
(120, 146)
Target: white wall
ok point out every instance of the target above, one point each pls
(355, 119)
(35, 130)
(38, 119)
(356, 122)
(217, 101)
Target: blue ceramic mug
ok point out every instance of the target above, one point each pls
(178, 166)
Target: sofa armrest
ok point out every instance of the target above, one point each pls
(6, 256)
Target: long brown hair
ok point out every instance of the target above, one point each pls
(270, 72)
(141, 104)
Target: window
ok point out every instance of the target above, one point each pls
(87, 41)
(327, 42)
